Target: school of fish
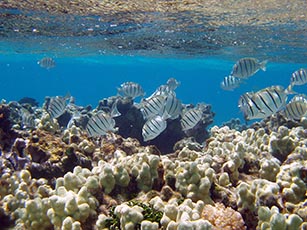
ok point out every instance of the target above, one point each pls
(162, 105)
(270, 100)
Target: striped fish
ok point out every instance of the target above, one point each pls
(153, 127)
(163, 90)
(295, 110)
(263, 103)
(27, 119)
(46, 63)
(190, 118)
(230, 83)
(153, 106)
(172, 84)
(247, 67)
(299, 97)
(57, 106)
(299, 77)
(131, 90)
(172, 107)
(99, 124)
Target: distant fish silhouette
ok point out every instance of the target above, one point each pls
(46, 63)
(130, 89)
(299, 77)
(230, 83)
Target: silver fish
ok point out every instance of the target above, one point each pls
(131, 89)
(173, 107)
(247, 67)
(263, 103)
(74, 118)
(163, 90)
(153, 127)
(27, 119)
(248, 107)
(153, 106)
(295, 110)
(190, 118)
(99, 124)
(230, 82)
(47, 63)
(172, 84)
(299, 77)
(57, 106)
(299, 97)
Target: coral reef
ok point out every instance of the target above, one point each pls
(58, 178)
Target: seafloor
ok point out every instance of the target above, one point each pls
(230, 177)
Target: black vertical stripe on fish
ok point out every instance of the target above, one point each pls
(185, 122)
(299, 108)
(130, 89)
(90, 128)
(254, 103)
(278, 95)
(98, 122)
(173, 107)
(153, 127)
(292, 110)
(154, 106)
(57, 105)
(154, 123)
(230, 82)
(265, 103)
(193, 115)
(245, 102)
(299, 75)
(240, 68)
(271, 98)
(190, 118)
(245, 67)
(293, 113)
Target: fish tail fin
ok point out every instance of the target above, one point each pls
(289, 90)
(114, 110)
(165, 116)
(67, 96)
(263, 65)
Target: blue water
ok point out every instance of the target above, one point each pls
(92, 78)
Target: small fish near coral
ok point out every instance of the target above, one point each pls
(263, 103)
(47, 63)
(56, 105)
(230, 83)
(131, 90)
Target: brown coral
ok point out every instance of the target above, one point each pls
(43, 146)
(222, 217)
